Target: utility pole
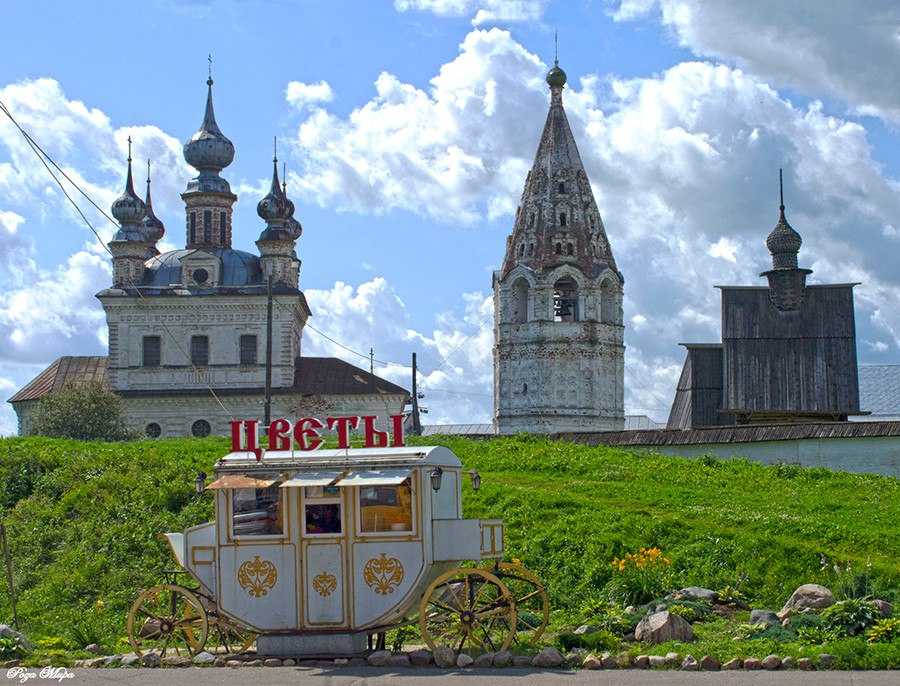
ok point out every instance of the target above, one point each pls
(7, 557)
(416, 422)
(372, 361)
(268, 407)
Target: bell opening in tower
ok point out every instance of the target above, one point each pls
(565, 300)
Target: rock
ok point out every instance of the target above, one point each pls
(710, 664)
(586, 629)
(630, 610)
(629, 637)
(253, 663)
(420, 658)
(176, 661)
(623, 660)
(696, 593)
(6, 631)
(522, 661)
(272, 662)
(766, 617)
(788, 663)
(883, 607)
(592, 662)
(807, 597)
(826, 661)
(673, 659)
(608, 661)
(338, 662)
(220, 661)
(548, 657)
(752, 663)
(290, 662)
(203, 658)
(574, 657)
(93, 648)
(734, 663)
(399, 660)
(642, 662)
(657, 661)
(503, 658)
(379, 658)
(130, 660)
(804, 664)
(150, 659)
(444, 656)
(484, 660)
(690, 664)
(786, 622)
(661, 627)
(464, 660)
(234, 663)
(94, 663)
(771, 662)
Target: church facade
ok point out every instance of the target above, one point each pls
(188, 328)
(558, 328)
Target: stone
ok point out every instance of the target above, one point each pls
(786, 622)
(804, 664)
(522, 661)
(657, 661)
(630, 610)
(420, 658)
(661, 627)
(548, 657)
(93, 648)
(771, 662)
(623, 660)
(592, 662)
(150, 659)
(826, 661)
(444, 656)
(130, 660)
(234, 663)
(690, 664)
(290, 662)
(641, 662)
(379, 658)
(220, 661)
(503, 658)
(608, 661)
(586, 629)
(272, 662)
(788, 662)
(338, 662)
(673, 659)
(710, 664)
(464, 661)
(807, 597)
(574, 657)
(203, 658)
(94, 663)
(696, 593)
(484, 660)
(253, 663)
(176, 661)
(752, 663)
(884, 608)
(734, 663)
(399, 660)
(767, 617)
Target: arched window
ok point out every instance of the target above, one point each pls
(608, 313)
(562, 188)
(207, 226)
(193, 236)
(521, 250)
(562, 218)
(519, 304)
(557, 248)
(565, 300)
(570, 249)
(223, 228)
(531, 219)
(530, 249)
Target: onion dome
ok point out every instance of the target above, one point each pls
(783, 242)
(556, 77)
(208, 149)
(128, 209)
(153, 227)
(275, 207)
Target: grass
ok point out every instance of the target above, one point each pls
(83, 520)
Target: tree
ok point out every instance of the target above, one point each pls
(87, 412)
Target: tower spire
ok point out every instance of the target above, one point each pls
(556, 47)
(129, 184)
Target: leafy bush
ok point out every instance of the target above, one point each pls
(884, 630)
(728, 595)
(690, 610)
(609, 616)
(639, 577)
(88, 413)
(850, 617)
(817, 634)
(11, 648)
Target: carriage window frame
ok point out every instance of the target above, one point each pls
(335, 497)
(285, 517)
(414, 512)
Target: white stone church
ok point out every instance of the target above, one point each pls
(187, 328)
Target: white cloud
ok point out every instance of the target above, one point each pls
(723, 249)
(11, 221)
(845, 49)
(301, 95)
(484, 11)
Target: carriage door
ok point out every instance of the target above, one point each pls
(323, 546)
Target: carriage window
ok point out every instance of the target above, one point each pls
(322, 511)
(386, 508)
(257, 511)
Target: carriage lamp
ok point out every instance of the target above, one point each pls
(200, 483)
(476, 479)
(437, 475)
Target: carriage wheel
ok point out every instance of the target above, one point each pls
(231, 637)
(468, 608)
(167, 619)
(532, 601)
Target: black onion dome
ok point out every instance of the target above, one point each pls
(153, 226)
(209, 148)
(275, 207)
(128, 208)
(783, 241)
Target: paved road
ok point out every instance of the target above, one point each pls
(373, 676)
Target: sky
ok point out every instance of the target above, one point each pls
(407, 128)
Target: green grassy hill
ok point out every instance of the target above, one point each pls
(83, 520)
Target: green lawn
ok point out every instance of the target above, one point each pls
(83, 520)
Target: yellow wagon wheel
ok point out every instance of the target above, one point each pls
(532, 601)
(230, 636)
(167, 619)
(468, 608)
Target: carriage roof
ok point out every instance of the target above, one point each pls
(409, 456)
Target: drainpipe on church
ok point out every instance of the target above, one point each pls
(268, 406)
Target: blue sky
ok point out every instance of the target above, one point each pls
(408, 127)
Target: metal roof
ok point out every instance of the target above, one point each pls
(879, 389)
(239, 268)
(66, 371)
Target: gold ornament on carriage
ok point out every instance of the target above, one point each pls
(257, 576)
(383, 574)
(324, 584)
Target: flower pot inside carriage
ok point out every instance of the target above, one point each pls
(315, 552)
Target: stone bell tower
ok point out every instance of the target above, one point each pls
(558, 332)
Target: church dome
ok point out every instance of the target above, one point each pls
(209, 149)
(275, 206)
(128, 208)
(153, 226)
(238, 268)
(783, 241)
(556, 77)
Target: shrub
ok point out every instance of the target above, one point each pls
(884, 630)
(639, 577)
(732, 597)
(849, 617)
(690, 610)
(817, 635)
(11, 648)
(88, 413)
(609, 617)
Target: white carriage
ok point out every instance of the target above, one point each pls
(317, 553)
